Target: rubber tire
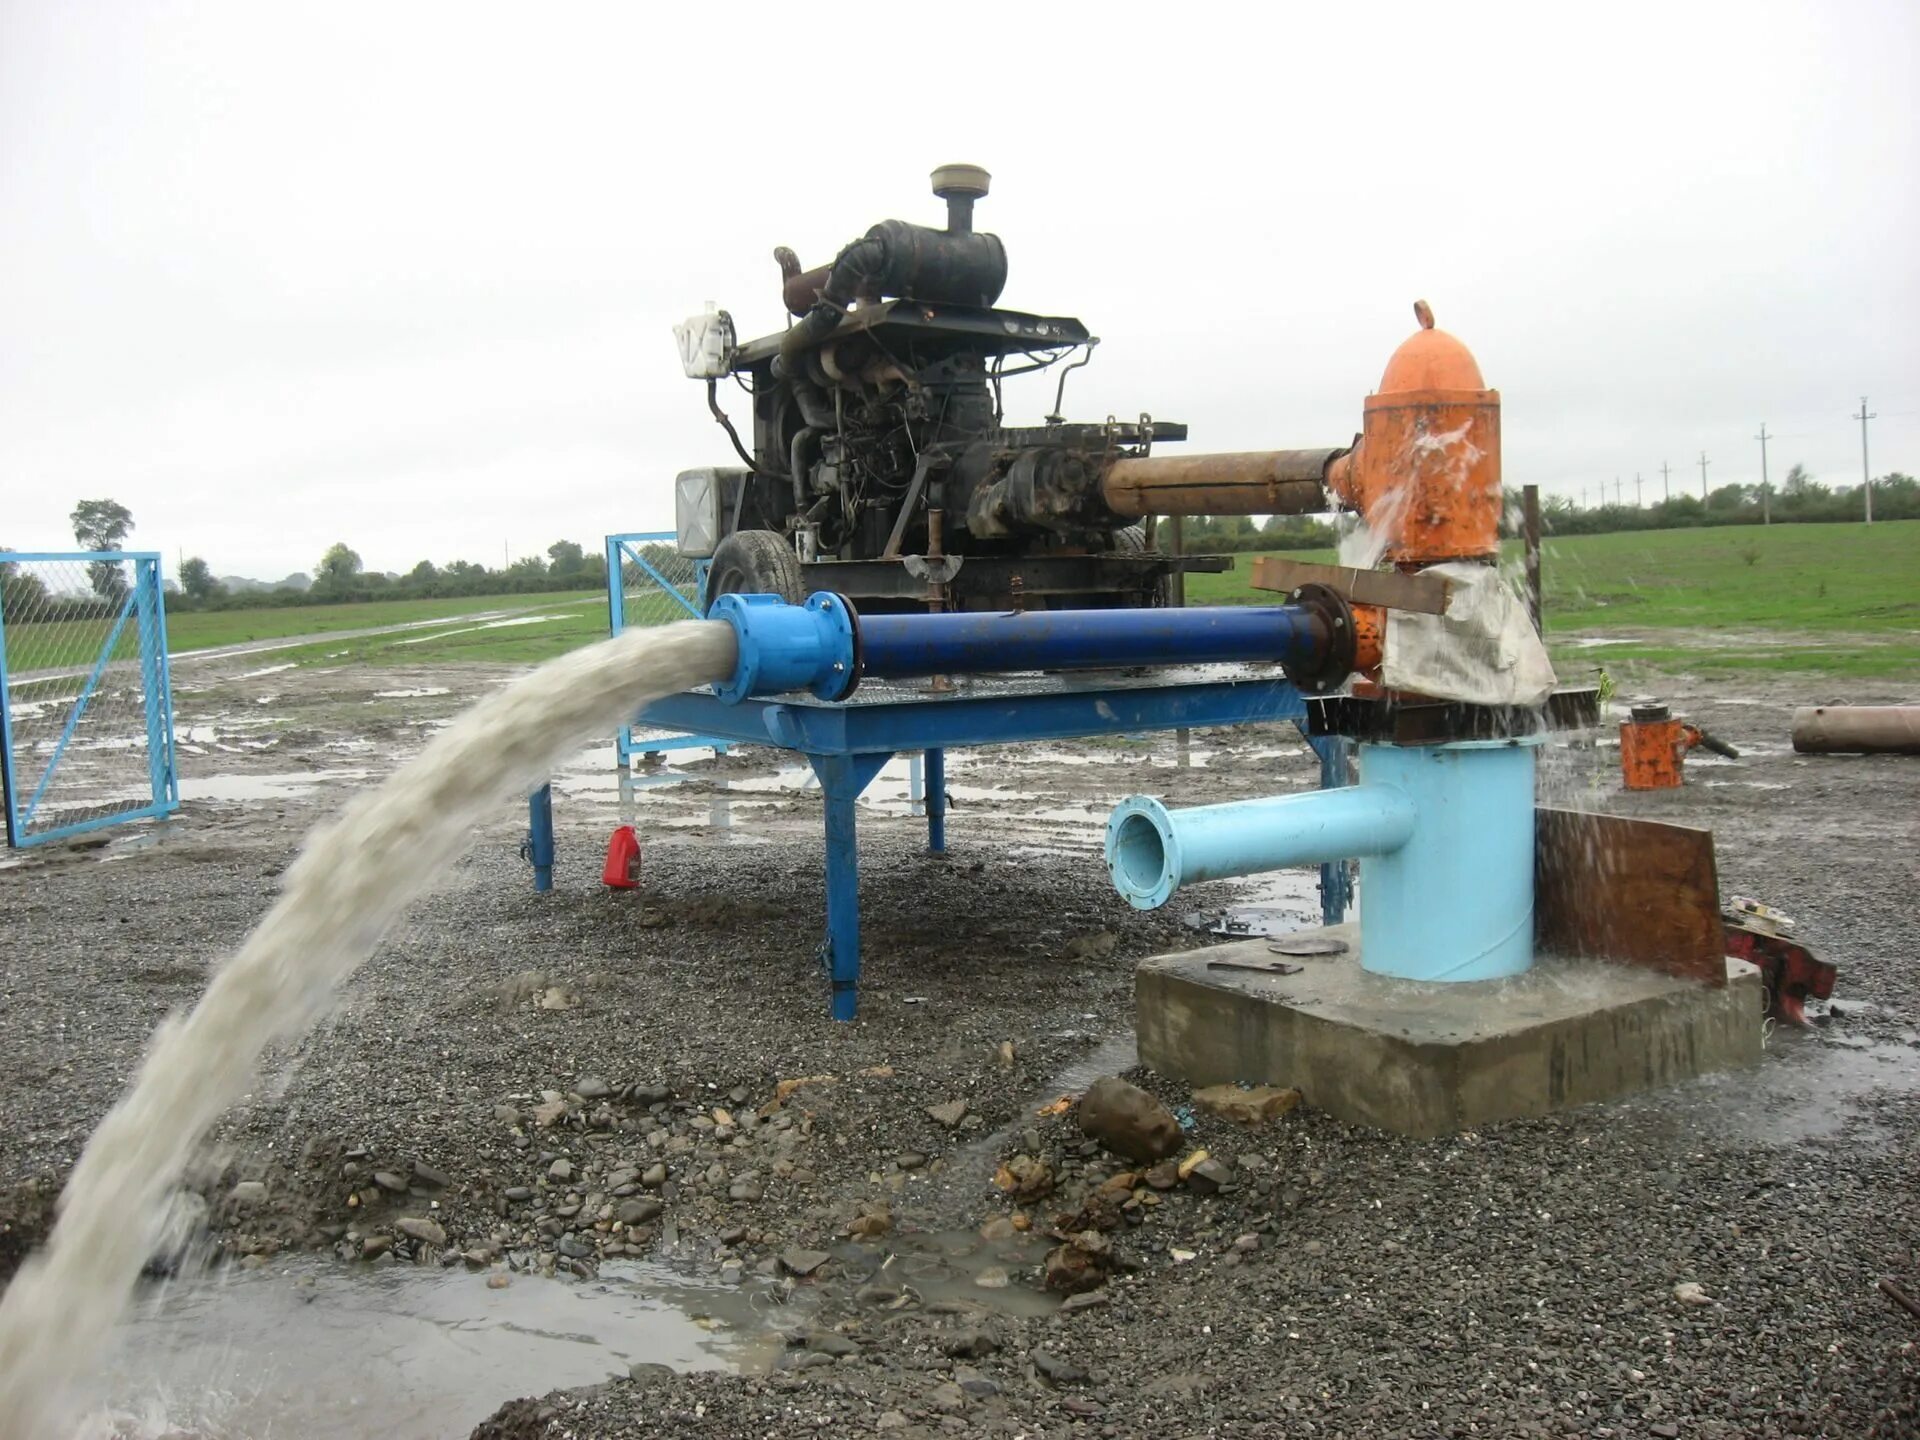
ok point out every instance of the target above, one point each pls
(755, 562)
(1133, 541)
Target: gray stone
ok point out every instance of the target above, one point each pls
(592, 1087)
(832, 1343)
(422, 1229)
(1086, 1300)
(390, 1182)
(948, 1399)
(972, 1343)
(561, 1169)
(638, 1212)
(431, 1178)
(574, 1247)
(1059, 1371)
(798, 1261)
(949, 1114)
(1209, 1177)
(655, 1176)
(248, 1192)
(1128, 1121)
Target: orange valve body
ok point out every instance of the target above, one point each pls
(1426, 474)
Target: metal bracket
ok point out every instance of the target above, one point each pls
(935, 570)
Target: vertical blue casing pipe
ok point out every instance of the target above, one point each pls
(1456, 901)
(1444, 835)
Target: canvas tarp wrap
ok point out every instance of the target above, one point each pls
(1483, 651)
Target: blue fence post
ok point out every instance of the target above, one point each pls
(152, 685)
(6, 736)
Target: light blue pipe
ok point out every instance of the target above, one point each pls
(1444, 835)
(1152, 851)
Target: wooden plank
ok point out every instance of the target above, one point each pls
(1635, 892)
(1426, 594)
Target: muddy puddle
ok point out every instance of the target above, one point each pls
(697, 795)
(1812, 1085)
(324, 1351)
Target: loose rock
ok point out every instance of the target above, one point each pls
(1128, 1121)
(1255, 1106)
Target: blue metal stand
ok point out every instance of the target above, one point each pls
(847, 743)
(539, 846)
(842, 778)
(937, 800)
(1336, 876)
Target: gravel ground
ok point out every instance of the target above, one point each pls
(527, 1082)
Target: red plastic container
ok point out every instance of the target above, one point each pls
(623, 860)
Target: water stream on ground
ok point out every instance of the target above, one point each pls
(324, 1351)
(351, 882)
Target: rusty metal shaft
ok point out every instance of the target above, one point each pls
(1258, 482)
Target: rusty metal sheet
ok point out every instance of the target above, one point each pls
(1426, 594)
(1635, 892)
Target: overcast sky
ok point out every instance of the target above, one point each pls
(403, 275)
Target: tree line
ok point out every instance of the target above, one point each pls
(1799, 500)
(341, 578)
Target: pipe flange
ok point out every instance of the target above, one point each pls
(1334, 664)
(843, 612)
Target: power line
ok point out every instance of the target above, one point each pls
(1866, 476)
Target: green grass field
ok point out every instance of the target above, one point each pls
(1829, 599)
(1839, 600)
(206, 629)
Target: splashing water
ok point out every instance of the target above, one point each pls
(350, 883)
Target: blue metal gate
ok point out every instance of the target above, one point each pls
(86, 700)
(649, 582)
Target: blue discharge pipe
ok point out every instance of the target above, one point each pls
(825, 648)
(1443, 833)
(967, 642)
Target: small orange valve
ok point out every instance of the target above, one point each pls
(1654, 746)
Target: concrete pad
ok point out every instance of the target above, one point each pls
(1429, 1059)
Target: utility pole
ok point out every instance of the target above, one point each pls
(1766, 491)
(1638, 503)
(1616, 489)
(1666, 485)
(1866, 477)
(1704, 462)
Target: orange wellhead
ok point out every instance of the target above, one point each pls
(1426, 474)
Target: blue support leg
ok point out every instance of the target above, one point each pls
(1336, 876)
(540, 837)
(842, 778)
(937, 801)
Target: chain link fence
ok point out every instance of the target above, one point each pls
(86, 716)
(649, 582)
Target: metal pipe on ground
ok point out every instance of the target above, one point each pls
(1857, 730)
(1255, 482)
